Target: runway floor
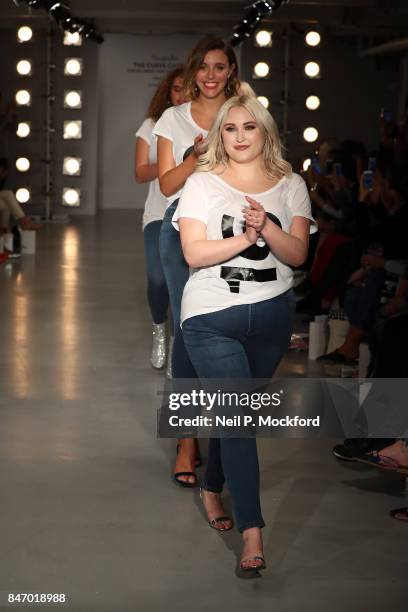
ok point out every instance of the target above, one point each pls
(87, 505)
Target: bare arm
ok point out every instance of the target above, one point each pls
(292, 247)
(199, 251)
(144, 171)
(172, 177)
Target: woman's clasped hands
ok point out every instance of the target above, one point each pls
(255, 219)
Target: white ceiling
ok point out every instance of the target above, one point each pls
(389, 17)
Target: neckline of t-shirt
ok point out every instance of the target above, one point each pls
(190, 115)
(245, 193)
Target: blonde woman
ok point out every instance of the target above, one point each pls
(244, 221)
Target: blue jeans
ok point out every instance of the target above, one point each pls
(157, 294)
(361, 303)
(176, 272)
(240, 342)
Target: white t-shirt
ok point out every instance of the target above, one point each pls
(156, 202)
(208, 198)
(177, 124)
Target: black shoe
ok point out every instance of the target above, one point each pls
(362, 446)
(342, 453)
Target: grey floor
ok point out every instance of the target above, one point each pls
(87, 505)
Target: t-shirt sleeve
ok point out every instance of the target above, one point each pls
(146, 130)
(164, 126)
(299, 201)
(194, 200)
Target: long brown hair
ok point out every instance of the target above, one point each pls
(162, 96)
(195, 59)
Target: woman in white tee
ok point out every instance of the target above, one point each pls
(244, 222)
(168, 93)
(210, 78)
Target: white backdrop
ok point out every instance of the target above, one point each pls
(130, 67)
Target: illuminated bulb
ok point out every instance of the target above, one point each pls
(264, 101)
(22, 164)
(73, 99)
(23, 97)
(24, 67)
(310, 134)
(23, 195)
(313, 39)
(261, 70)
(24, 34)
(73, 67)
(23, 130)
(72, 130)
(263, 38)
(72, 166)
(70, 197)
(306, 164)
(312, 69)
(72, 38)
(312, 102)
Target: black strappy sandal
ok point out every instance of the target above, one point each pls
(184, 483)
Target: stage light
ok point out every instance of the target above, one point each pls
(263, 38)
(23, 195)
(72, 130)
(73, 66)
(264, 101)
(71, 197)
(312, 69)
(72, 166)
(24, 34)
(306, 164)
(73, 99)
(261, 70)
(72, 39)
(23, 129)
(23, 97)
(23, 164)
(24, 67)
(310, 134)
(312, 102)
(313, 39)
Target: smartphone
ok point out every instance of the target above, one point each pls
(328, 168)
(316, 164)
(372, 163)
(338, 170)
(368, 179)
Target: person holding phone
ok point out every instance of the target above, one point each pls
(168, 93)
(210, 78)
(244, 221)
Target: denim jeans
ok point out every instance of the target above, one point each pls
(176, 272)
(242, 342)
(157, 294)
(361, 303)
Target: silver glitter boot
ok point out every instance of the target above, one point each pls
(159, 348)
(169, 374)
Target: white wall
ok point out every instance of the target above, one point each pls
(130, 68)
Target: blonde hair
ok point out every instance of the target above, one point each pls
(275, 165)
(245, 89)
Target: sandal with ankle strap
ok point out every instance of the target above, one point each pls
(218, 519)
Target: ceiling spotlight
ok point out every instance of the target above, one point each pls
(23, 195)
(312, 69)
(22, 164)
(72, 39)
(310, 134)
(313, 39)
(71, 197)
(23, 97)
(72, 166)
(306, 164)
(73, 66)
(72, 130)
(24, 67)
(312, 102)
(73, 99)
(23, 129)
(261, 70)
(24, 34)
(264, 101)
(263, 38)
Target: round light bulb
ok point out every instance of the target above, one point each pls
(73, 99)
(24, 34)
(72, 129)
(72, 38)
(23, 97)
(264, 101)
(71, 197)
(73, 67)
(23, 130)
(72, 165)
(263, 38)
(24, 67)
(313, 39)
(310, 134)
(23, 195)
(306, 164)
(261, 69)
(312, 102)
(312, 69)
(22, 164)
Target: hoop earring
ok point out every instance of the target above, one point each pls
(228, 89)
